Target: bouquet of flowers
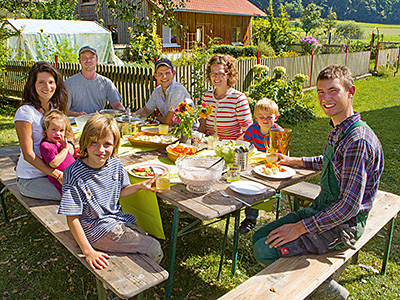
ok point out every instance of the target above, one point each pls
(185, 116)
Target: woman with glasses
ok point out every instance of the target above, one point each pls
(231, 112)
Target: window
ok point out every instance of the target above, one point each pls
(200, 34)
(88, 1)
(236, 36)
(169, 37)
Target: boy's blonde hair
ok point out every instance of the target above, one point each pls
(266, 105)
(97, 128)
(56, 115)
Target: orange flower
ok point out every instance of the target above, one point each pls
(182, 107)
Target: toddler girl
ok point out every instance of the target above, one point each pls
(56, 151)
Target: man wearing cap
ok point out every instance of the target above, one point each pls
(168, 94)
(88, 91)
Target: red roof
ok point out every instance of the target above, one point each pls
(227, 7)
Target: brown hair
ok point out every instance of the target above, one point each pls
(266, 105)
(230, 66)
(56, 115)
(340, 72)
(97, 128)
(30, 97)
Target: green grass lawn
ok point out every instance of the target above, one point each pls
(35, 266)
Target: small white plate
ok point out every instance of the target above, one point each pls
(71, 120)
(248, 187)
(75, 129)
(280, 175)
(160, 169)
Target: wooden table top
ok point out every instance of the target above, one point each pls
(212, 204)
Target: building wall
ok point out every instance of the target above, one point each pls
(215, 25)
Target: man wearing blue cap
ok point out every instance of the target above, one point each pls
(167, 95)
(88, 91)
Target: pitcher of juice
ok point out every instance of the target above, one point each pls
(279, 141)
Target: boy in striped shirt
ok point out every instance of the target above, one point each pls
(92, 186)
(266, 112)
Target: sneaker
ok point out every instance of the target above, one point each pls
(330, 290)
(246, 226)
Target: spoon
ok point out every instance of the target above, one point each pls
(215, 163)
(225, 194)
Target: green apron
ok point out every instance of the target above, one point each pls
(330, 189)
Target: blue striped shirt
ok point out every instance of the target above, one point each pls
(93, 195)
(358, 165)
(253, 135)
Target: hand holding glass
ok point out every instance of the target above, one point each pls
(163, 182)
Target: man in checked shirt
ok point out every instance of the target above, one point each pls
(351, 167)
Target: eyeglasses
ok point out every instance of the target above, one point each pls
(212, 74)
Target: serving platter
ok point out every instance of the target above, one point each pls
(288, 173)
(151, 140)
(140, 170)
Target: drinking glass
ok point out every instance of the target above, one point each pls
(163, 182)
(279, 140)
(163, 129)
(233, 173)
(211, 139)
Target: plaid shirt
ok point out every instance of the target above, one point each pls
(358, 165)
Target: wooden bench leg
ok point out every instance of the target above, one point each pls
(3, 204)
(387, 246)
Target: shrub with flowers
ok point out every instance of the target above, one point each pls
(310, 43)
(288, 94)
(185, 116)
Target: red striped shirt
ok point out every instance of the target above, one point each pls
(232, 115)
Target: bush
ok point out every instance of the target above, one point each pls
(288, 94)
(266, 49)
(349, 30)
(145, 48)
(235, 51)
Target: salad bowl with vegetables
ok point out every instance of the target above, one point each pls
(226, 148)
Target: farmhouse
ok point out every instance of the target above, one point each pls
(229, 20)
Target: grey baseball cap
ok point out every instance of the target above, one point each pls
(87, 48)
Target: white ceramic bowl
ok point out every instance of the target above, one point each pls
(193, 172)
(81, 121)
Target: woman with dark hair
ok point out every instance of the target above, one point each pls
(231, 112)
(44, 90)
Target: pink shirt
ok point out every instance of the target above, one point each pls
(49, 150)
(231, 115)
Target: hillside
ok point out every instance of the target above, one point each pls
(377, 11)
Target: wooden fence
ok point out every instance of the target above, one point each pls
(138, 83)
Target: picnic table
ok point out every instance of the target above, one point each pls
(213, 205)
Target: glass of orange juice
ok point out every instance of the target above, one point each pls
(163, 182)
(163, 129)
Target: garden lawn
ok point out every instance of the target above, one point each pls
(35, 266)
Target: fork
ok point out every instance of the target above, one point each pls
(225, 194)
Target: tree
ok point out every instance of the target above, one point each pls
(349, 30)
(329, 23)
(311, 18)
(52, 9)
(294, 8)
(274, 31)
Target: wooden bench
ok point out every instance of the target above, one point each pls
(301, 194)
(297, 277)
(127, 275)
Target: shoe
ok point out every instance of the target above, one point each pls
(330, 290)
(246, 226)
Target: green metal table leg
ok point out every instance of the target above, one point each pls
(278, 204)
(174, 238)
(3, 204)
(387, 246)
(235, 242)
(223, 248)
(101, 291)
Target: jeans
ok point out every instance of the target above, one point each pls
(251, 213)
(38, 188)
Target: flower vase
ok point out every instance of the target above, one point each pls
(183, 138)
